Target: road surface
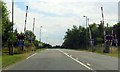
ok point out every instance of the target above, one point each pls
(65, 59)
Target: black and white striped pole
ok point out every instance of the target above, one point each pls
(106, 43)
(26, 18)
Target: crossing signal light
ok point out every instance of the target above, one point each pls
(109, 37)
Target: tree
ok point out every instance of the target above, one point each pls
(76, 38)
(79, 37)
(29, 38)
(7, 26)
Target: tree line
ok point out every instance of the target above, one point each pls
(78, 37)
(9, 36)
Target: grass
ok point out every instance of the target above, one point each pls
(0, 62)
(99, 50)
(113, 52)
(8, 60)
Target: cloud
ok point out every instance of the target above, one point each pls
(57, 16)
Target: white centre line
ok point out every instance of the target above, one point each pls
(31, 55)
(77, 61)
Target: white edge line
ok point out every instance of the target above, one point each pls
(26, 58)
(77, 61)
(31, 55)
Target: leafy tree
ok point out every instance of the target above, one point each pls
(7, 26)
(79, 37)
(36, 43)
(29, 38)
(76, 38)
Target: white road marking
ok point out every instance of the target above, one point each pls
(77, 61)
(70, 55)
(31, 55)
(88, 64)
(77, 58)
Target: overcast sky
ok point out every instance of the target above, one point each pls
(56, 16)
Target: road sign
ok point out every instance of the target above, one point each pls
(21, 43)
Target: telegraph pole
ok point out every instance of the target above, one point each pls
(11, 44)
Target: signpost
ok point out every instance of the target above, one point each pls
(20, 38)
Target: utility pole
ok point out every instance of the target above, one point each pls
(10, 41)
(25, 18)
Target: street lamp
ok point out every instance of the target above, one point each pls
(86, 29)
(87, 22)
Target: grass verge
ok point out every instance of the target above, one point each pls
(8, 60)
(114, 51)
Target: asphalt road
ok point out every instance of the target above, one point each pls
(64, 59)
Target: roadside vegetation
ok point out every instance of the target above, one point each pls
(8, 60)
(11, 51)
(79, 38)
(113, 51)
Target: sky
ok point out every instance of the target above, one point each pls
(56, 16)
